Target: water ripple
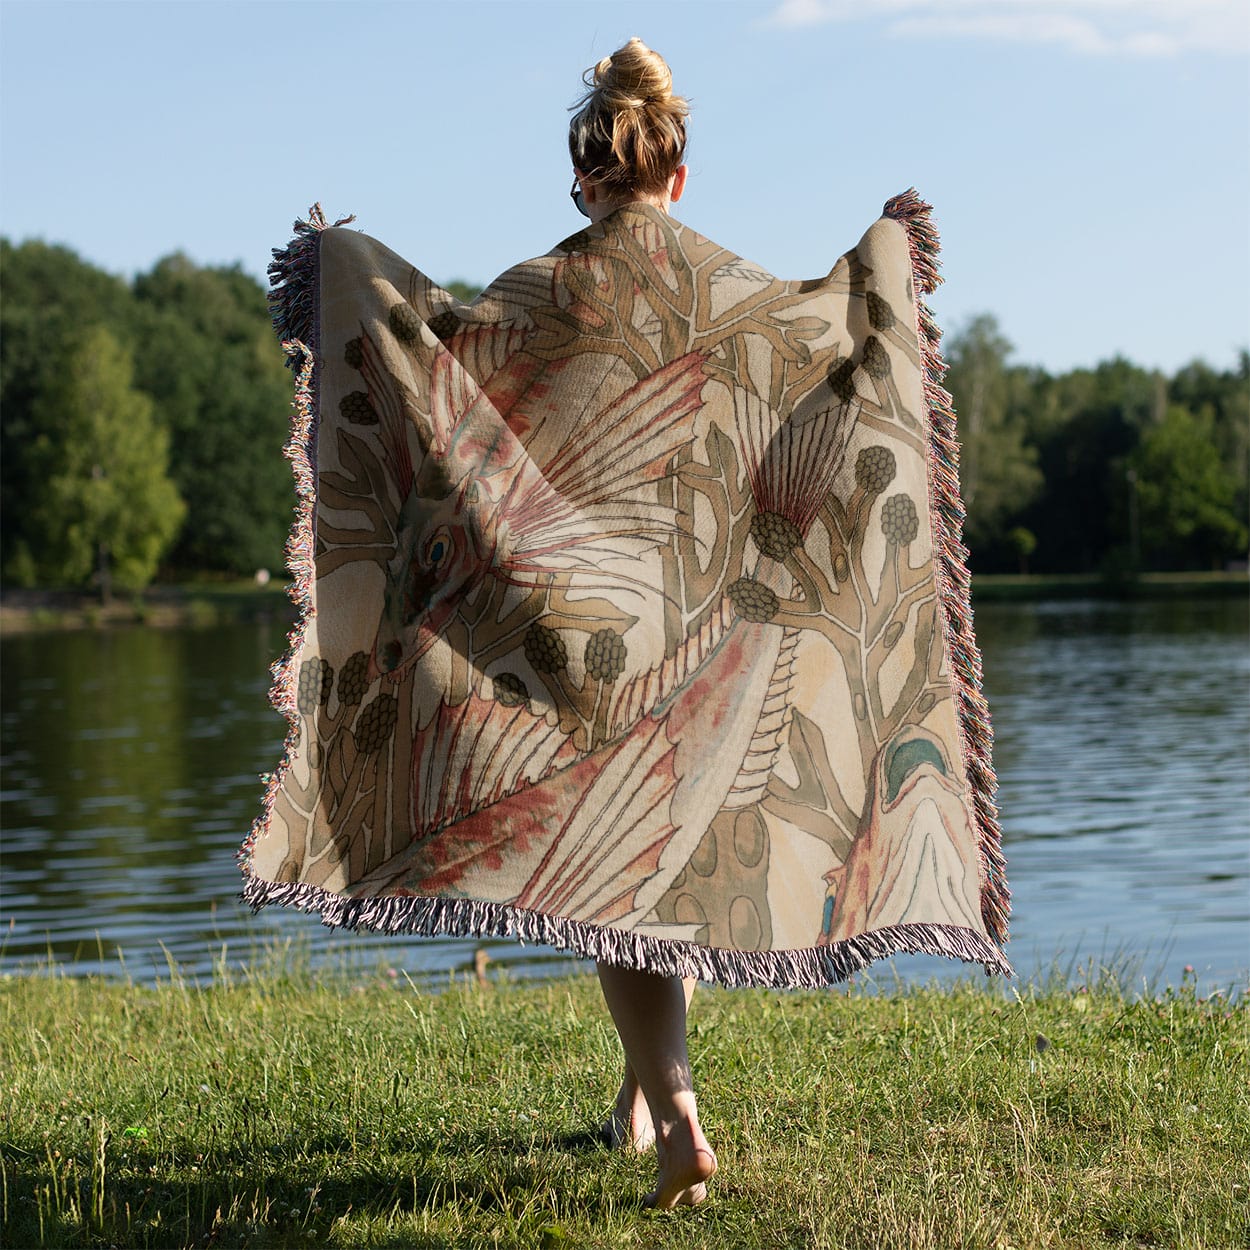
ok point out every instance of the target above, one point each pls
(1121, 735)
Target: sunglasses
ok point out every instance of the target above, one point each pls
(576, 196)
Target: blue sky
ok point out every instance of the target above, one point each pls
(1089, 160)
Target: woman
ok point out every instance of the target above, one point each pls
(628, 142)
(635, 619)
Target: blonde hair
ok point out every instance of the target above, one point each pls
(629, 133)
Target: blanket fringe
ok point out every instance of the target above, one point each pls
(293, 288)
(810, 968)
(951, 563)
(293, 303)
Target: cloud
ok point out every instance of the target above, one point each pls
(1134, 28)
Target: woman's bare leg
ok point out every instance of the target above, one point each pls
(629, 1125)
(650, 1015)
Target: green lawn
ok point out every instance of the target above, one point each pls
(354, 1110)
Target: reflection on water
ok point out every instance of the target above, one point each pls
(1122, 732)
(130, 763)
(130, 775)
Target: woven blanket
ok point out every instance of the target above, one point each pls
(634, 615)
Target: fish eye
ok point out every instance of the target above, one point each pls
(439, 545)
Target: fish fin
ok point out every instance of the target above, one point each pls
(494, 356)
(635, 696)
(601, 476)
(575, 822)
(792, 462)
(631, 441)
(751, 782)
(477, 753)
(452, 393)
(602, 855)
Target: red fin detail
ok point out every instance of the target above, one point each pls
(792, 463)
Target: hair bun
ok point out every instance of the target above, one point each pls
(629, 129)
(634, 76)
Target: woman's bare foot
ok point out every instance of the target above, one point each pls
(629, 1125)
(649, 1012)
(686, 1165)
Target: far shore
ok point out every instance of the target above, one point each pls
(165, 605)
(208, 603)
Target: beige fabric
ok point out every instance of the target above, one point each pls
(625, 613)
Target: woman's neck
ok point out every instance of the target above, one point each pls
(602, 208)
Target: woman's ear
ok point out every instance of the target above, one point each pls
(678, 183)
(588, 186)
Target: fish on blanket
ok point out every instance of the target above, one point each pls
(634, 615)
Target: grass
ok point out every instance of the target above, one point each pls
(292, 1109)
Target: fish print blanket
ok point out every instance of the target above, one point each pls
(634, 615)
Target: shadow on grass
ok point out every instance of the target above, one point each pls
(266, 1197)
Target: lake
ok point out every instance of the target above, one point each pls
(130, 775)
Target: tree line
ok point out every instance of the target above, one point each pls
(143, 421)
(1113, 470)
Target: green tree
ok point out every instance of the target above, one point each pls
(1222, 397)
(1024, 543)
(465, 292)
(1086, 423)
(51, 299)
(997, 466)
(208, 357)
(105, 505)
(1186, 495)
